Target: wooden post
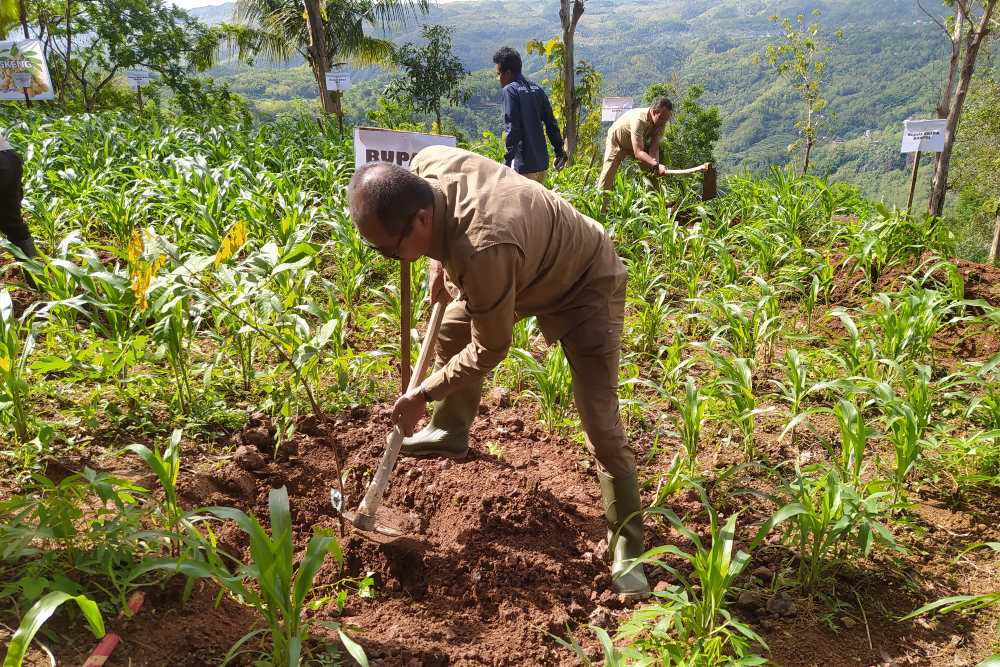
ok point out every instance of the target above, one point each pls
(138, 92)
(27, 35)
(913, 182)
(995, 248)
(404, 323)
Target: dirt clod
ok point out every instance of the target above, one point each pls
(782, 605)
(249, 458)
(260, 438)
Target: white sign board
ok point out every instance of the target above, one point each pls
(376, 145)
(138, 78)
(22, 65)
(926, 136)
(338, 80)
(613, 107)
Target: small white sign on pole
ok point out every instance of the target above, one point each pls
(338, 81)
(372, 144)
(924, 136)
(613, 107)
(137, 78)
(23, 79)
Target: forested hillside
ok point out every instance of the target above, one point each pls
(888, 67)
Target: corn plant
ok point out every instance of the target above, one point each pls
(552, 381)
(830, 513)
(16, 344)
(857, 356)
(691, 414)
(907, 419)
(39, 613)
(651, 320)
(797, 388)
(736, 390)
(908, 324)
(854, 436)
(689, 623)
(271, 581)
(166, 465)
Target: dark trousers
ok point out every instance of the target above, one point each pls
(11, 192)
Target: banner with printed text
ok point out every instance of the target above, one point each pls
(23, 69)
(613, 107)
(372, 144)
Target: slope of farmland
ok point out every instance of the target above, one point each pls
(204, 291)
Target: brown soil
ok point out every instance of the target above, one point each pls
(506, 548)
(982, 281)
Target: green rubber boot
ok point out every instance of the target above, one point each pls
(621, 499)
(447, 434)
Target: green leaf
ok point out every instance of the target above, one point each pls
(353, 648)
(39, 613)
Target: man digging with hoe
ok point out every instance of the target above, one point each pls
(502, 247)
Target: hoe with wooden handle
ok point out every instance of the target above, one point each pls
(364, 517)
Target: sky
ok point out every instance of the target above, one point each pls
(190, 4)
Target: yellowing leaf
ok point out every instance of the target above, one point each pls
(231, 244)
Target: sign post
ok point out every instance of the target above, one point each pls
(376, 145)
(136, 80)
(921, 136)
(613, 107)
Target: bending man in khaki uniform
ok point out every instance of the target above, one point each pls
(510, 249)
(637, 133)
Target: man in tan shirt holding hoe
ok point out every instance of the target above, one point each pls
(637, 133)
(509, 248)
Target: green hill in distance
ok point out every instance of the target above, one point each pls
(888, 68)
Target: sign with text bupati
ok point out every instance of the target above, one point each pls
(613, 107)
(372, 144)
(338, 81)
(925, 136)
(22, 62)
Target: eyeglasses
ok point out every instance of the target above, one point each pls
(395, 252)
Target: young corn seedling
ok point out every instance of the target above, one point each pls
(689, 623)
(16, 344)
(736, 386)
(40, 612)
(828, 514)
(271, 582)
(553, 384)
(906, 422)
(796, 389)
(691, 414)
(853, 439)
(651, 319)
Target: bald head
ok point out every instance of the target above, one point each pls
(387, 196)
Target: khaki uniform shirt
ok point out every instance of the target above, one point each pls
(634, 123)
(511, 249)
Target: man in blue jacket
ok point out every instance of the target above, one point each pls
(526, 111)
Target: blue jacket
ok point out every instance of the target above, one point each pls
(526, 109)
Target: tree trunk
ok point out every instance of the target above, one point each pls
(974, 39)
(995, 248)
(570, 12)
(437, 114)
(809, 150)
(69, 51)
(317, 52)
(956, 53)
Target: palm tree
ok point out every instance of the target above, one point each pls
(281, 28)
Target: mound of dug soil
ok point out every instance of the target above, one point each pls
(503, 547)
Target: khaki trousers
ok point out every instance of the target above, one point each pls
(613, 157)
(593, 350)
(537, 176)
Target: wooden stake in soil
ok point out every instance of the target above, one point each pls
(709, 187)
(913, 182)
(995, 248)
(404, 323)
